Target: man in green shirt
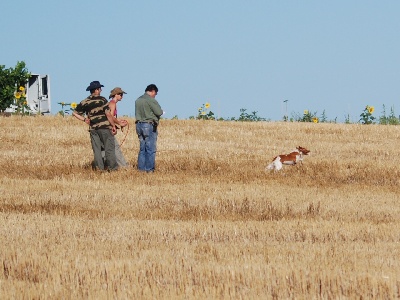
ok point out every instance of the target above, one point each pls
(147, 114)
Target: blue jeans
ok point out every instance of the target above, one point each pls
(147, 134)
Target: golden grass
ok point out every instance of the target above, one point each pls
(210, 223)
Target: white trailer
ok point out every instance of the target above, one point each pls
(38, 94)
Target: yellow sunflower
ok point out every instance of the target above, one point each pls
(371, 109)
(21, 88)
(315, 120)
(73, 105)
(25, 103)
(203, 113)
(306, 112)
(207, 105)
(17, 95)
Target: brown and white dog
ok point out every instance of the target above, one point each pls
(288, 159)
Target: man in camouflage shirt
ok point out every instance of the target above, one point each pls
(102, 126)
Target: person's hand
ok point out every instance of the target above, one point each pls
(114, 130)
(123, 123)
(87, 121)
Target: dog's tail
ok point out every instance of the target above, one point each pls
(275, 164)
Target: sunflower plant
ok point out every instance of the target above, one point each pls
(204, 112)
(366, 115)
(307, 117)
(65, 111)
(20, 103)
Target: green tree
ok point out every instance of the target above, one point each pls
(10, 81)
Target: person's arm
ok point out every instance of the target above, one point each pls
(111, 120)
(112, 105)
(79, 113)
(80, 117)
(156, 108)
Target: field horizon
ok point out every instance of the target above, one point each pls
(211, 222)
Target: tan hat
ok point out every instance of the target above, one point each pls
(116, 91)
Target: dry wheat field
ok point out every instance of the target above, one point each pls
(210, 223)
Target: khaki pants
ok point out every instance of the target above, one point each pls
(118, 155)
(103, 138)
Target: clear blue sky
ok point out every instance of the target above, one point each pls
(336, 56)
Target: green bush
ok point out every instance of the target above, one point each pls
(388, 120)
(12, 83)
(246, 117)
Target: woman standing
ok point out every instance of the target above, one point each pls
(116, 95)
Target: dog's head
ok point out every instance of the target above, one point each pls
(303, 150)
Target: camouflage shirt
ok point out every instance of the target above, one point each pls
(95, 108)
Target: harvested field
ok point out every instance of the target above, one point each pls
(211, 222)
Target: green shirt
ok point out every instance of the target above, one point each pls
(147, 109)
(95, 107)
